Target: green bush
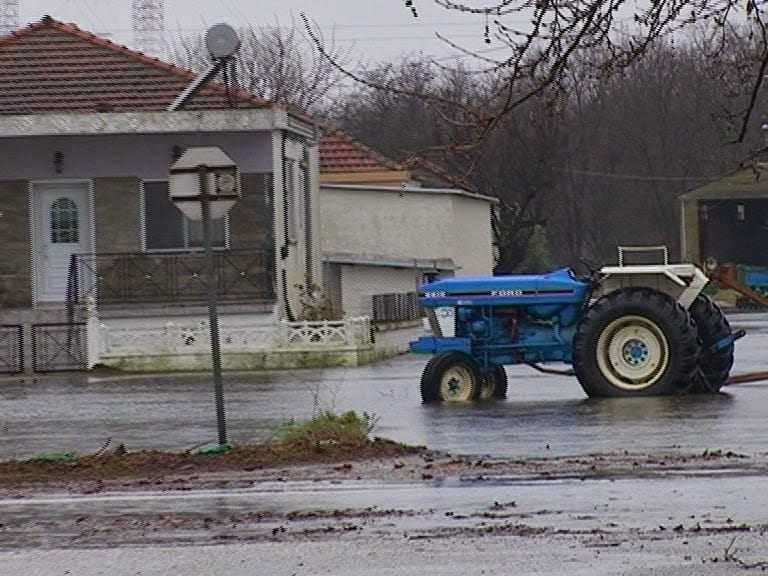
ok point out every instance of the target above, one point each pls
(328, 429)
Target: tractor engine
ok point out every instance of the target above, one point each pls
(506, 320)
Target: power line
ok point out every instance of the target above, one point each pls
(617, 176)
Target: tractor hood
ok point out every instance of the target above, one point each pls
(559, 286)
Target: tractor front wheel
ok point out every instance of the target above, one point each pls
(450, 377)
(635, 342)
(494, 384)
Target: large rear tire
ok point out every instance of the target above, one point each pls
(635, 342)
(712, 326)
(450, 377)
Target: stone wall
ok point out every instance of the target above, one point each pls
(117, 214)
(250, 220)
(15, 245)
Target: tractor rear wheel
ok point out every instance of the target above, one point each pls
(635, 342)
(494, 384)
(450, 377)
(714, 366)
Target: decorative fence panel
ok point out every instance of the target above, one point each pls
(60, 347)
(162, 278)
(400, 307)
(11, 349)
(354, 332)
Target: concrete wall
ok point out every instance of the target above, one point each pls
(15, 245)
(296, 260)
(360, 283)
(408, 225)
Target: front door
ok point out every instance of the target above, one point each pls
(62, 228)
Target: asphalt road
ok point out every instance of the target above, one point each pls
(544, 415)
(675, 524)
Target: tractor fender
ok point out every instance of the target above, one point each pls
(683, 282)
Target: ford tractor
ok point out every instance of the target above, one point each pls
(626, 330)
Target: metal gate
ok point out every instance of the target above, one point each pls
(11, 349)
(60, 347)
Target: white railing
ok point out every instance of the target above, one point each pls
(352, 332)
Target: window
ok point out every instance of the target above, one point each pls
(64, 222)
(166, 228)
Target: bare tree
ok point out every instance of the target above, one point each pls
(601, 165)
(560, 34)
(276, 64)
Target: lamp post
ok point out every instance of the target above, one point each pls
(204, 184)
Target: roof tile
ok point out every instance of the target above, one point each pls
(53, 67)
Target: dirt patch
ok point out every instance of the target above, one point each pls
(147, 467)
(246, 467)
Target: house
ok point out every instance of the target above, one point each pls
(414, 233)
(98, 266)
(85, 148)
(724, 227)
(727, 220)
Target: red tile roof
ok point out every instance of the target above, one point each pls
(340, 153)
(50, 67)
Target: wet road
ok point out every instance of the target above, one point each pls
(661, 526)
(544, 415)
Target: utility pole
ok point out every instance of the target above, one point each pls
(213, 314)
(9, 16)
(149, 27)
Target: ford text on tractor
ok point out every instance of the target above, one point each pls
(627, 330)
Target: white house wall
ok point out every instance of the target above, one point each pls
(411, 225)
(146, 156)
(404, 226)
(472, 241)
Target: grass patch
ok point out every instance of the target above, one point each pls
(328, 430)
(327, 438)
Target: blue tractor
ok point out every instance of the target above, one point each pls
(627, 330)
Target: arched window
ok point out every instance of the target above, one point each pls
(64, 222)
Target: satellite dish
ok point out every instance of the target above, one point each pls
(222, 41)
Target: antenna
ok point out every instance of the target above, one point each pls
(9, 16)
(222, 42)
(149, 26)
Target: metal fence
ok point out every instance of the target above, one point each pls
(400, 307)
(59, 347)
(242, 275)
(11, 349)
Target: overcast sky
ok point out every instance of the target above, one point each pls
(373, 30)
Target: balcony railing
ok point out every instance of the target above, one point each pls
(241, 276)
